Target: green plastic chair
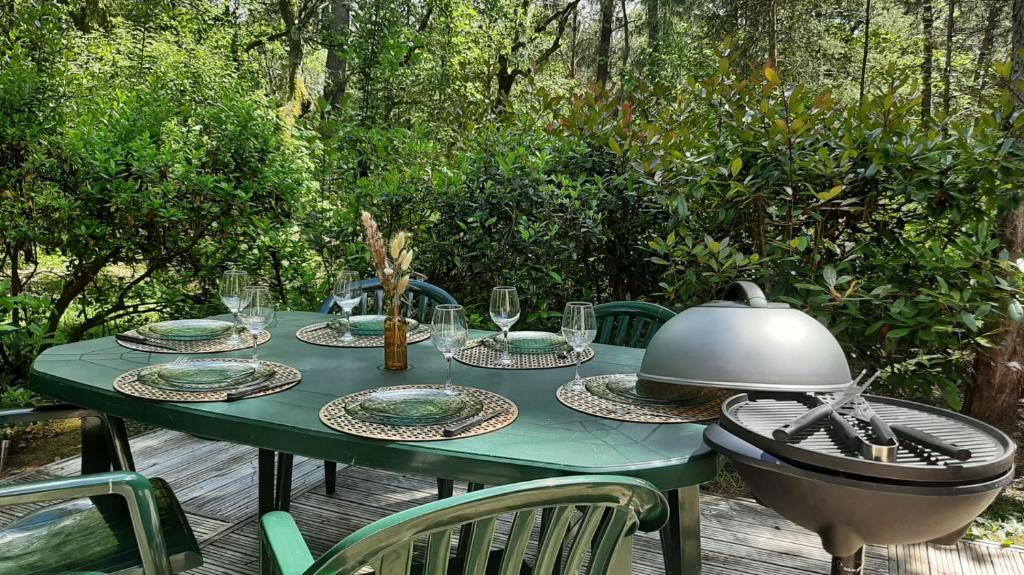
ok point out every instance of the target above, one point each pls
(116, 522)
(629, 323)
(613, 508)
(420, 299)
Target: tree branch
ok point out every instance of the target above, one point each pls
(271, 38)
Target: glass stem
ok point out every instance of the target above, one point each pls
(448, 382)
(505, 355)
(348, 323)
(255, 353)
(577, 354)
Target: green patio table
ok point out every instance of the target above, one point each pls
(547, 440)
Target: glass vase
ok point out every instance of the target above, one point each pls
(396, 346)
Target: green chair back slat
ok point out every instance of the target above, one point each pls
(480, 545)
(629, 323)
(613, 528)
(584, 536)
(439, 544)
(518, 541)
(396, 560)
(550, 552)
(419, 300)
(634, 503)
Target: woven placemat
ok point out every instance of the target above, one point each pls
(286, 376)
(333, 415)
(483, 355)
(589, 403)
(206, 346)
(320, 334)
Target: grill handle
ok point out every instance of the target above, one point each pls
(795, 427)
(925, 439)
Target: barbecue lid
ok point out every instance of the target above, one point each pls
(746, 342)
(753, 420)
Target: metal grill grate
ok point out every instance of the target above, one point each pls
(755, 420)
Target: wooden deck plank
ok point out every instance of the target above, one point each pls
(216, 484)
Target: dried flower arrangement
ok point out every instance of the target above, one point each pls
(394, 272)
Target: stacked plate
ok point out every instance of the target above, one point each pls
(205, 375)
(419, 406)
(187, 330)
(367, 325)
(529, 342)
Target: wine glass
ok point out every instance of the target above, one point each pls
(231, 285)
(448, 331)
(579, 328)
(347, 294)
(256, 312)
(505, 313)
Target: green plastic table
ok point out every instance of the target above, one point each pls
(547, 440)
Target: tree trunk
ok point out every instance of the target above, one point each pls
(995, 8)
(773, 48)
(998, 373)
(604, 42)
(574, 39)
(653, 25)
(864, 57)
(947, 72)
(337, 73)
(927, 24)
(298, 99)
(625, 34)
(506, 78)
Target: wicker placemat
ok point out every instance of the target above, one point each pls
(333, 415)
(583, 400)
(205, 346)
(320, 334)
(286, 376)
(483, 355)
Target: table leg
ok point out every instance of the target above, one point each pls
(95, 446)
(330, 477)
(120, 449)
(265, 481)
(680, 537)
(445, 488)
(283, 501)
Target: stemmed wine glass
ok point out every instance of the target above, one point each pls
(579, 328)
(448, 331)
(505, 313)
(256, 312)
(347, 294)
(231, 285)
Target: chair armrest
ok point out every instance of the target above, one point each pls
(44, 413)
(283, 544)
(134, 488)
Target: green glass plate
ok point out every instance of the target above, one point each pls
(188, 329)
(204, 375)
(368, 325)
(624, 388)
(529, 342)
(421, 406)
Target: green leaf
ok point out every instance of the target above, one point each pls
(614, 145)
(951, 394)
(898, 333)
(772, 76)
(969, 320)
(1016, 310)
(835, 191)
(736, 166)
(829, 273)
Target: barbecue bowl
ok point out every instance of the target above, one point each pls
(746, 342)
(847, 512)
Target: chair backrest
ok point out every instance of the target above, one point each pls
(612, 509)
(629, 323)
(420, 299)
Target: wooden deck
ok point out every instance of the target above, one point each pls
(216, 483)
